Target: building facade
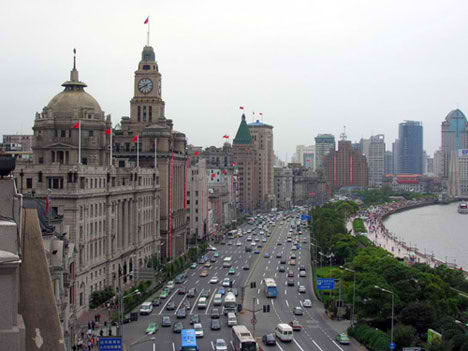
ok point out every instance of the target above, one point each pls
(196, 200)
(324, 143)
(410, 153)
(388, 162)
(283, 180)
(148, 140)
(112, 213)
(454, 132)
(345, 167)
(262, 140)
(458, 173)
(305, 155)
(376, 159)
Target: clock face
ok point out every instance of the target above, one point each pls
(145, 85)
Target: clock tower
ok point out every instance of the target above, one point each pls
(147, 106)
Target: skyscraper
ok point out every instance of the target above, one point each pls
(323, 144)
(454, 131)
(410, 156)
(376, 159)
(388, 162)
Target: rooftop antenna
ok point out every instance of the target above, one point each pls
(343, 135)
(261, 114)
(74, 59)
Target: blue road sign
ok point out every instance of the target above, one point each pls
(325, 283)
(110, 343)
(392, 346)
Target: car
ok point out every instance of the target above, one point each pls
(227, 282)
(201, 261)
(293, 248)
(302, 289)
(182, 290)
(215, 313)
(298, 311)
(213, 260)
(245, 268)
(216, 254)
(266, 255)
(195, 318)
(164, 293)
(290, 274)
(289, 240)
(232, 270)
(295, 325)
(156, 302)
(269, 339)
(293, 257)
(304, 241)
(166, 321)
(238, 243)
(257, 251)
(204, 273)
(152, 328)
(281, 269)
(170, 285)
(264, 240)
(177, 328)
(215, 324)
(283, 261)
(207, 265)
(170, 306)
(253, 245)
(249, 238)
(279, 243)
(342, 338)
(220, 345)
(302, 268)
(192, 292)
(233, 290)
(290, 282)
(302, 274)
(221, 291)
(180, 279)
(214, 280)
(187, 304)
(193, 265)
(223, 243)
(278, 255)
(292, 262)
(205, 293)
(307, 303)
(198, 330)
(181, 313)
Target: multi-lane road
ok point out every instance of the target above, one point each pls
(315, 334)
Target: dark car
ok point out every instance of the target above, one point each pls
(213, 260)
(170, 306)
(281, 268)
(195, 318)
(182, 290)
(166, 321)
(246, 268)
(177, 328)
(181, 313)
(290, 274)
(302, 268)
(283, 261)
(206, 293)
(215, 324)
(156, 302)
(215, 313)
(290, 282)
(192, 292)
(279, 243)
(269, 339)
(257, 251)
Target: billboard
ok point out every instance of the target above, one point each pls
(432, 335)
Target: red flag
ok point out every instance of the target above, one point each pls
(241, 107)
(225, 136)
(47, 204)
(224, 171)
(213, 175)
(196, 153)
(76, 125)
(146, 20)
(135, 139)
(233, 164)
(109, 131)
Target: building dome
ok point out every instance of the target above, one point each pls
(455, 114)
(68, 101)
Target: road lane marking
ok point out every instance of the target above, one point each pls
(180, 304)
(169, 299)
(318, 346)
(212, 346)
(211, 299)
(337, 345)
(196, 283)
(258, 292)
(287, 303)
(194, 304)
(173, 347)
(300, 345)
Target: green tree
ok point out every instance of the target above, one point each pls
(404, 335)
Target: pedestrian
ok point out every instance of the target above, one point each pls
(93, 325)
(89, 345)
(89, 325)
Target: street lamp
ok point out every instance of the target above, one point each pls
(136, 292)
(354, 290)
(393, 303)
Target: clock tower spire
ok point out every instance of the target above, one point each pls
(147, 106)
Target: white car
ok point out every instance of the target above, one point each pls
(238, 243)
(264, 240)
(214, 280)
(307, 303)
(170, 285)
(302, 274)
(226, 282)
(220, 345)
(302, 289)
(198, 330)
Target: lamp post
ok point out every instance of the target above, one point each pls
(330, 257)
(393, 303)
(354, 291)
(121, 318)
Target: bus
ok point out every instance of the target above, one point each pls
(227, 262)
(271, 290)
(242, 339)
(230, 303)
(189, 340)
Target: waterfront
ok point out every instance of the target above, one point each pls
(437, 229)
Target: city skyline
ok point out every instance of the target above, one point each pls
(336, 62)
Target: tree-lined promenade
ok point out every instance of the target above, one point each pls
(424, 297)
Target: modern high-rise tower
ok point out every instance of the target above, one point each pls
(410, 145)
(323, 144)
(454, 131)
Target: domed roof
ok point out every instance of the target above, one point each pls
(455, 114)
(69, 100)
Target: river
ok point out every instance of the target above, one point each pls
(437, 229)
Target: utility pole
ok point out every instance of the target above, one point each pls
(253, 311)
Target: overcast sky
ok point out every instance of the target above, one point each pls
(310, 66)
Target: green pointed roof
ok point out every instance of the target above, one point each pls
(243, 135)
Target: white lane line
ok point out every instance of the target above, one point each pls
(193, 274)
(258, 301)
(337, 345)
(319, 346)
(173, 347)
(232, 345)
(212, 345)
(258, 292)
(300, 345)
(169, 299)
(196, 283)
(196, 301)
(209, 303)
(180, 304)
(287, 303)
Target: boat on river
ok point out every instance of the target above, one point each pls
(463, 208)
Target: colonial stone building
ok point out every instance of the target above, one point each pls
(283, 180)
(111, 209)
(197, 196)
(147, 135)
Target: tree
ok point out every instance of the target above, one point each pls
(419, 315)
(403, 335)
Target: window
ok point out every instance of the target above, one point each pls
(91, 133)
(29, 183)
(41, 160)
(150, 113)
(39, 177)
(62, 133)
(144, 113)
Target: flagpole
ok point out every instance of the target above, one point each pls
(79, 142)
(155, 153)
(138, 153)
(148, 34)
(110, 159)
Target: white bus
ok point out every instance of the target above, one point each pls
(230, 303)
(227, 262)
(242, 339)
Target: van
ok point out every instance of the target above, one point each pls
(146, 308)
(202, 303)
(284, 332)
(218, 300)
(231, 319)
